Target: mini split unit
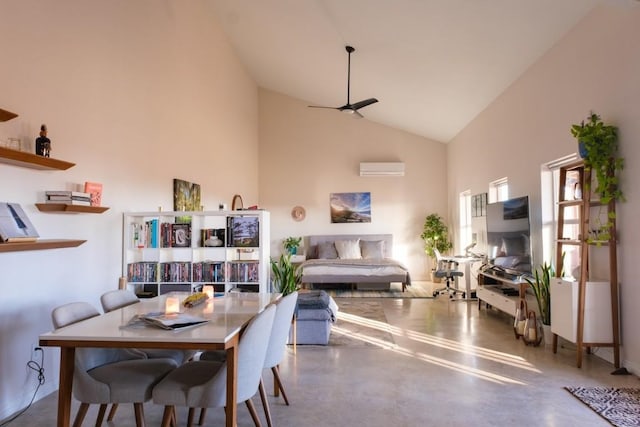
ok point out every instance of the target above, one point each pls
(382, 169)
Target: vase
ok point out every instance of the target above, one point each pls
(582, 149)
(548, 335)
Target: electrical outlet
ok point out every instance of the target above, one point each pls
(35, 349)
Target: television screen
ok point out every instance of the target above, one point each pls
(509, 235)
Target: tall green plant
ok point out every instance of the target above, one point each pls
(286, 276)
(435, 235)
(541, 287)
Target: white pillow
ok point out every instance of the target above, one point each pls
(348, 249)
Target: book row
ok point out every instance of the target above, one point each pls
(206, 271)
(241, 231)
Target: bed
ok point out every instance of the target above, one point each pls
(364, 261)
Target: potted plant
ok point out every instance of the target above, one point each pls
(436, 236)
(598, 145)
(286, 276)
(541, 285)
(291, 244)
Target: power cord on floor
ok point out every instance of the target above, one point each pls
(39, 368)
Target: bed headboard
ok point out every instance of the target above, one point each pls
(311, 242)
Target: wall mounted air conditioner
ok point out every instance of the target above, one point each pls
(382, 169)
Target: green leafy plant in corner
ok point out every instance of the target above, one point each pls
(291, 244)
(541, 287)
(286, 276)
(435, 235)
(600, 154)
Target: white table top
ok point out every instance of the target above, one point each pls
(226, 315)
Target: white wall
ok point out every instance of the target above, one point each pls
(595, 67)
(306, 154)
(136, 93)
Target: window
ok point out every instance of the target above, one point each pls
(465, 237)
(550, 187)
(498, 190)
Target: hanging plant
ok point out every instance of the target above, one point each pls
(599, 148)
(598, 145)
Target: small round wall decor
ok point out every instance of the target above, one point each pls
(298, 213)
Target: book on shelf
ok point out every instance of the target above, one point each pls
(243, 231)
(70, 194)
(66, 201)
(95, 191)
(15, 225)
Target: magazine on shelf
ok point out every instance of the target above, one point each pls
(14, 224)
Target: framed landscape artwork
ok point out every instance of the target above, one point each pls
(350, 207)
(186, 197)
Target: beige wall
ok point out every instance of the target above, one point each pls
(595, 67)
(136, 93)
(306, 154)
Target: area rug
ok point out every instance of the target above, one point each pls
(619, 406)
(416, 290)
(361, 323)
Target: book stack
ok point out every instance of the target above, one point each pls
(68, 197)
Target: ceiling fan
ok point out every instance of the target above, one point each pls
(349, 107)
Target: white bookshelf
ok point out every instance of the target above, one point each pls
(151, 263)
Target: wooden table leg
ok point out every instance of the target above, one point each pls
(232, 383)
(67, 360)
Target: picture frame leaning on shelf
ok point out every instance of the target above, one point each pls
(15, 225)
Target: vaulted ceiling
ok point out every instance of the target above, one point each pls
(434, 65)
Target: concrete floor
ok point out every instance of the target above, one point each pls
(452, 365)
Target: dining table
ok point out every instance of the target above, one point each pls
(226, 315)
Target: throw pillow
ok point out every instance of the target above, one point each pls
(372, 249)
(348, 249)
(327, 250)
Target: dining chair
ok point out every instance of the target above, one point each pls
(108, 375)
(285, 308)
(203, 383)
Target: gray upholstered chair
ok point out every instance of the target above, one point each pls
(203, 384)
(285, 308)
(109, 375)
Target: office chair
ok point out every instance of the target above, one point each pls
(447, 268)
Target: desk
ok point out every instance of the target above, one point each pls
(227, 316)
(467, 261)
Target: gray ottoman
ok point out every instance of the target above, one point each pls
(315, 313)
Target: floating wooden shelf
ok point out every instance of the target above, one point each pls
(33, 161)
(6, 115)
(62, 207)
(40, 244)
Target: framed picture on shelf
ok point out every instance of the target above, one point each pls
(15, 225)
(181, 235)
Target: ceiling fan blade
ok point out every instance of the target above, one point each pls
(321, 106)
(362, 104)
(357, 115)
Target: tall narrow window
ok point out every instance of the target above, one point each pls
(465, 237)
(550, 194)
(498, 190)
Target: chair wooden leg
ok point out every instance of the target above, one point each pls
(252, 411)
(82, 411)
(138, 409)
(101, 411)
(203, 413)
(190, 417)
(276, 378)
(112, 412)
(265, 403)
(167, 416)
